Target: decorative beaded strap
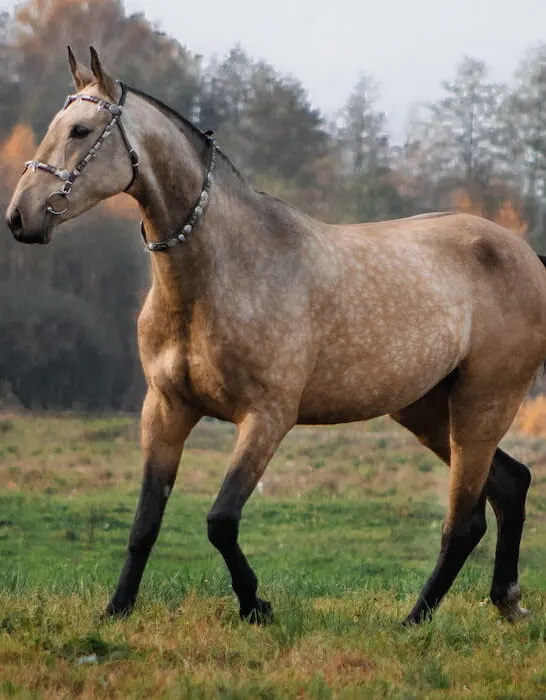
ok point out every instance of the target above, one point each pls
(197, 210)
(69, 177)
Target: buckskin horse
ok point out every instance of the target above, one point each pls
(263, 316)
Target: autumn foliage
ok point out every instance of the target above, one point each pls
(20, 147)
(531, 418)
(14, 151)
(87, 287)
(506, 212)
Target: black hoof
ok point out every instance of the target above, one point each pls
(511, 611)
(260, 614)
(117, 611)
(414, 619)
(508, 603)
(408, 622)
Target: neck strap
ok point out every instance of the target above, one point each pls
(197, 210)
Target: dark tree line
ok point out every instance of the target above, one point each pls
(68, 311)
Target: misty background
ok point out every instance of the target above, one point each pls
(352, 114)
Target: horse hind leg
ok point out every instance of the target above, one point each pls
(428, 420)
(465, 524)
(506, 488)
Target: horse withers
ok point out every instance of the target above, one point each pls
(265, 317)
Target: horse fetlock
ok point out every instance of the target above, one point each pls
(245, 585)
(507, 593)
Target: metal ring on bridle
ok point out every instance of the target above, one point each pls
(50, 205)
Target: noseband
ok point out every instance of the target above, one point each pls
(69, 176)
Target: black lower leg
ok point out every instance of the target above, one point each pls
(223, 534)
(151, 506)
(457, 544)
(506, 489)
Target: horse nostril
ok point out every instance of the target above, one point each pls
(15, 222)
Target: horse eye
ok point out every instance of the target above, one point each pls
(79, 131)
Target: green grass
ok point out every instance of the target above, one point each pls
(304, 548)
(342, 536)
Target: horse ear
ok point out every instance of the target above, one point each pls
(106, 83)
(81, 75)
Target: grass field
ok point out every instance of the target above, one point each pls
(342, 532)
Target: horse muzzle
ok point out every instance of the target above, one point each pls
(16, 224)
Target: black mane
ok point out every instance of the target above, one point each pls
(172, 114)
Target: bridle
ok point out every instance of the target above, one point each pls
(70, 176)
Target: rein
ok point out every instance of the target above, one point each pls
(69, 176)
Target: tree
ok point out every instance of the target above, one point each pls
(525, 116)
(266, 123)
(129, 45)
(364, 143)
(286, 133)
(466, 131)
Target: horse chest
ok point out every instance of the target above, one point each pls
(182, 371)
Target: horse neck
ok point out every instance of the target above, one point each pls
(173, 162)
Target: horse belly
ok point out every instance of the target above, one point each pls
(361, 379)
(359, 396)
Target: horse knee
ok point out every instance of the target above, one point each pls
(524, 476)
(507, 486)
(222, 532)
(141, 540)
(478, 525)
(465, 533)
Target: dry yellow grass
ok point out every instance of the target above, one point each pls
(70, 454)
(353, 649)
(531, 418)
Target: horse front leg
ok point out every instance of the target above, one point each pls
(258, 437)
(165, 425)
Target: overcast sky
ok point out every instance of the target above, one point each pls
(407, 46)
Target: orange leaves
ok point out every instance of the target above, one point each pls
(20, 147)
(16, 149)
(505, 213)
(531, 418)
(463, 202)
(509, 217)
